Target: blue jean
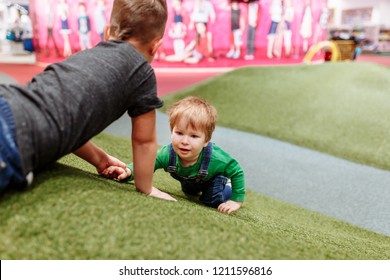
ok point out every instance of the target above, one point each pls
(10, 164)
(250, 40)
(273, 27)
(213, 192)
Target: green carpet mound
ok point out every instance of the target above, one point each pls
(339, 108)
(72, 213)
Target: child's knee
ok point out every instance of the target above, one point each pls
(219, 192)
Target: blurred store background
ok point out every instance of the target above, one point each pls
(50, 30)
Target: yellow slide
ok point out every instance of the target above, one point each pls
(324, 44)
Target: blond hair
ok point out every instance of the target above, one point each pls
(197, 112)
(142, 20)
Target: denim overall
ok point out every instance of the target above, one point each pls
(10, 165)
(214, 191)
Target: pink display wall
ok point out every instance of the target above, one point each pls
(39, 14)
(220, 29)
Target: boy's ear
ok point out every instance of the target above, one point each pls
(106, 32)
(205, 144)
(155, 44)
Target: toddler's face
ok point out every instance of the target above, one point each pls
(187, 142)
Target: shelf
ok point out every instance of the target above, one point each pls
(384, 39)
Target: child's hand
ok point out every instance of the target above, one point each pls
(229, 206)
(109, 161)
(116, 172)
(159, 194)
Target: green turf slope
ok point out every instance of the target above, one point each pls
(339, 108)
(71, 213)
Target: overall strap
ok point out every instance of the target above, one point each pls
(172, 160)
(203, 170)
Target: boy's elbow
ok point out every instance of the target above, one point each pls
(144, 147)
(144, 140)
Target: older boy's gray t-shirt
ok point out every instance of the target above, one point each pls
(72, 101)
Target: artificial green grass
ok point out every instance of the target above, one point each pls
(72, 213)
(338, 108)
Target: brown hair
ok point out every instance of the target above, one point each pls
(198, 113)
(142, 20)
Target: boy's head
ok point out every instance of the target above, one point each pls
(82, 7)
(139, 20)
(198, 114)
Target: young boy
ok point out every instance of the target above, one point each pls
(191, 158)
(62, 108)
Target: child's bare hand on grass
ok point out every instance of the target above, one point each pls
(159, 194)
(116, 172)
(119, 173)
(229, 206)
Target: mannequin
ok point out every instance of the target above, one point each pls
(63, 12)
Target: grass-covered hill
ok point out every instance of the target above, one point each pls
(72, 213)
(338, 108)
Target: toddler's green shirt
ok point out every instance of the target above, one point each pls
(221, 163)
